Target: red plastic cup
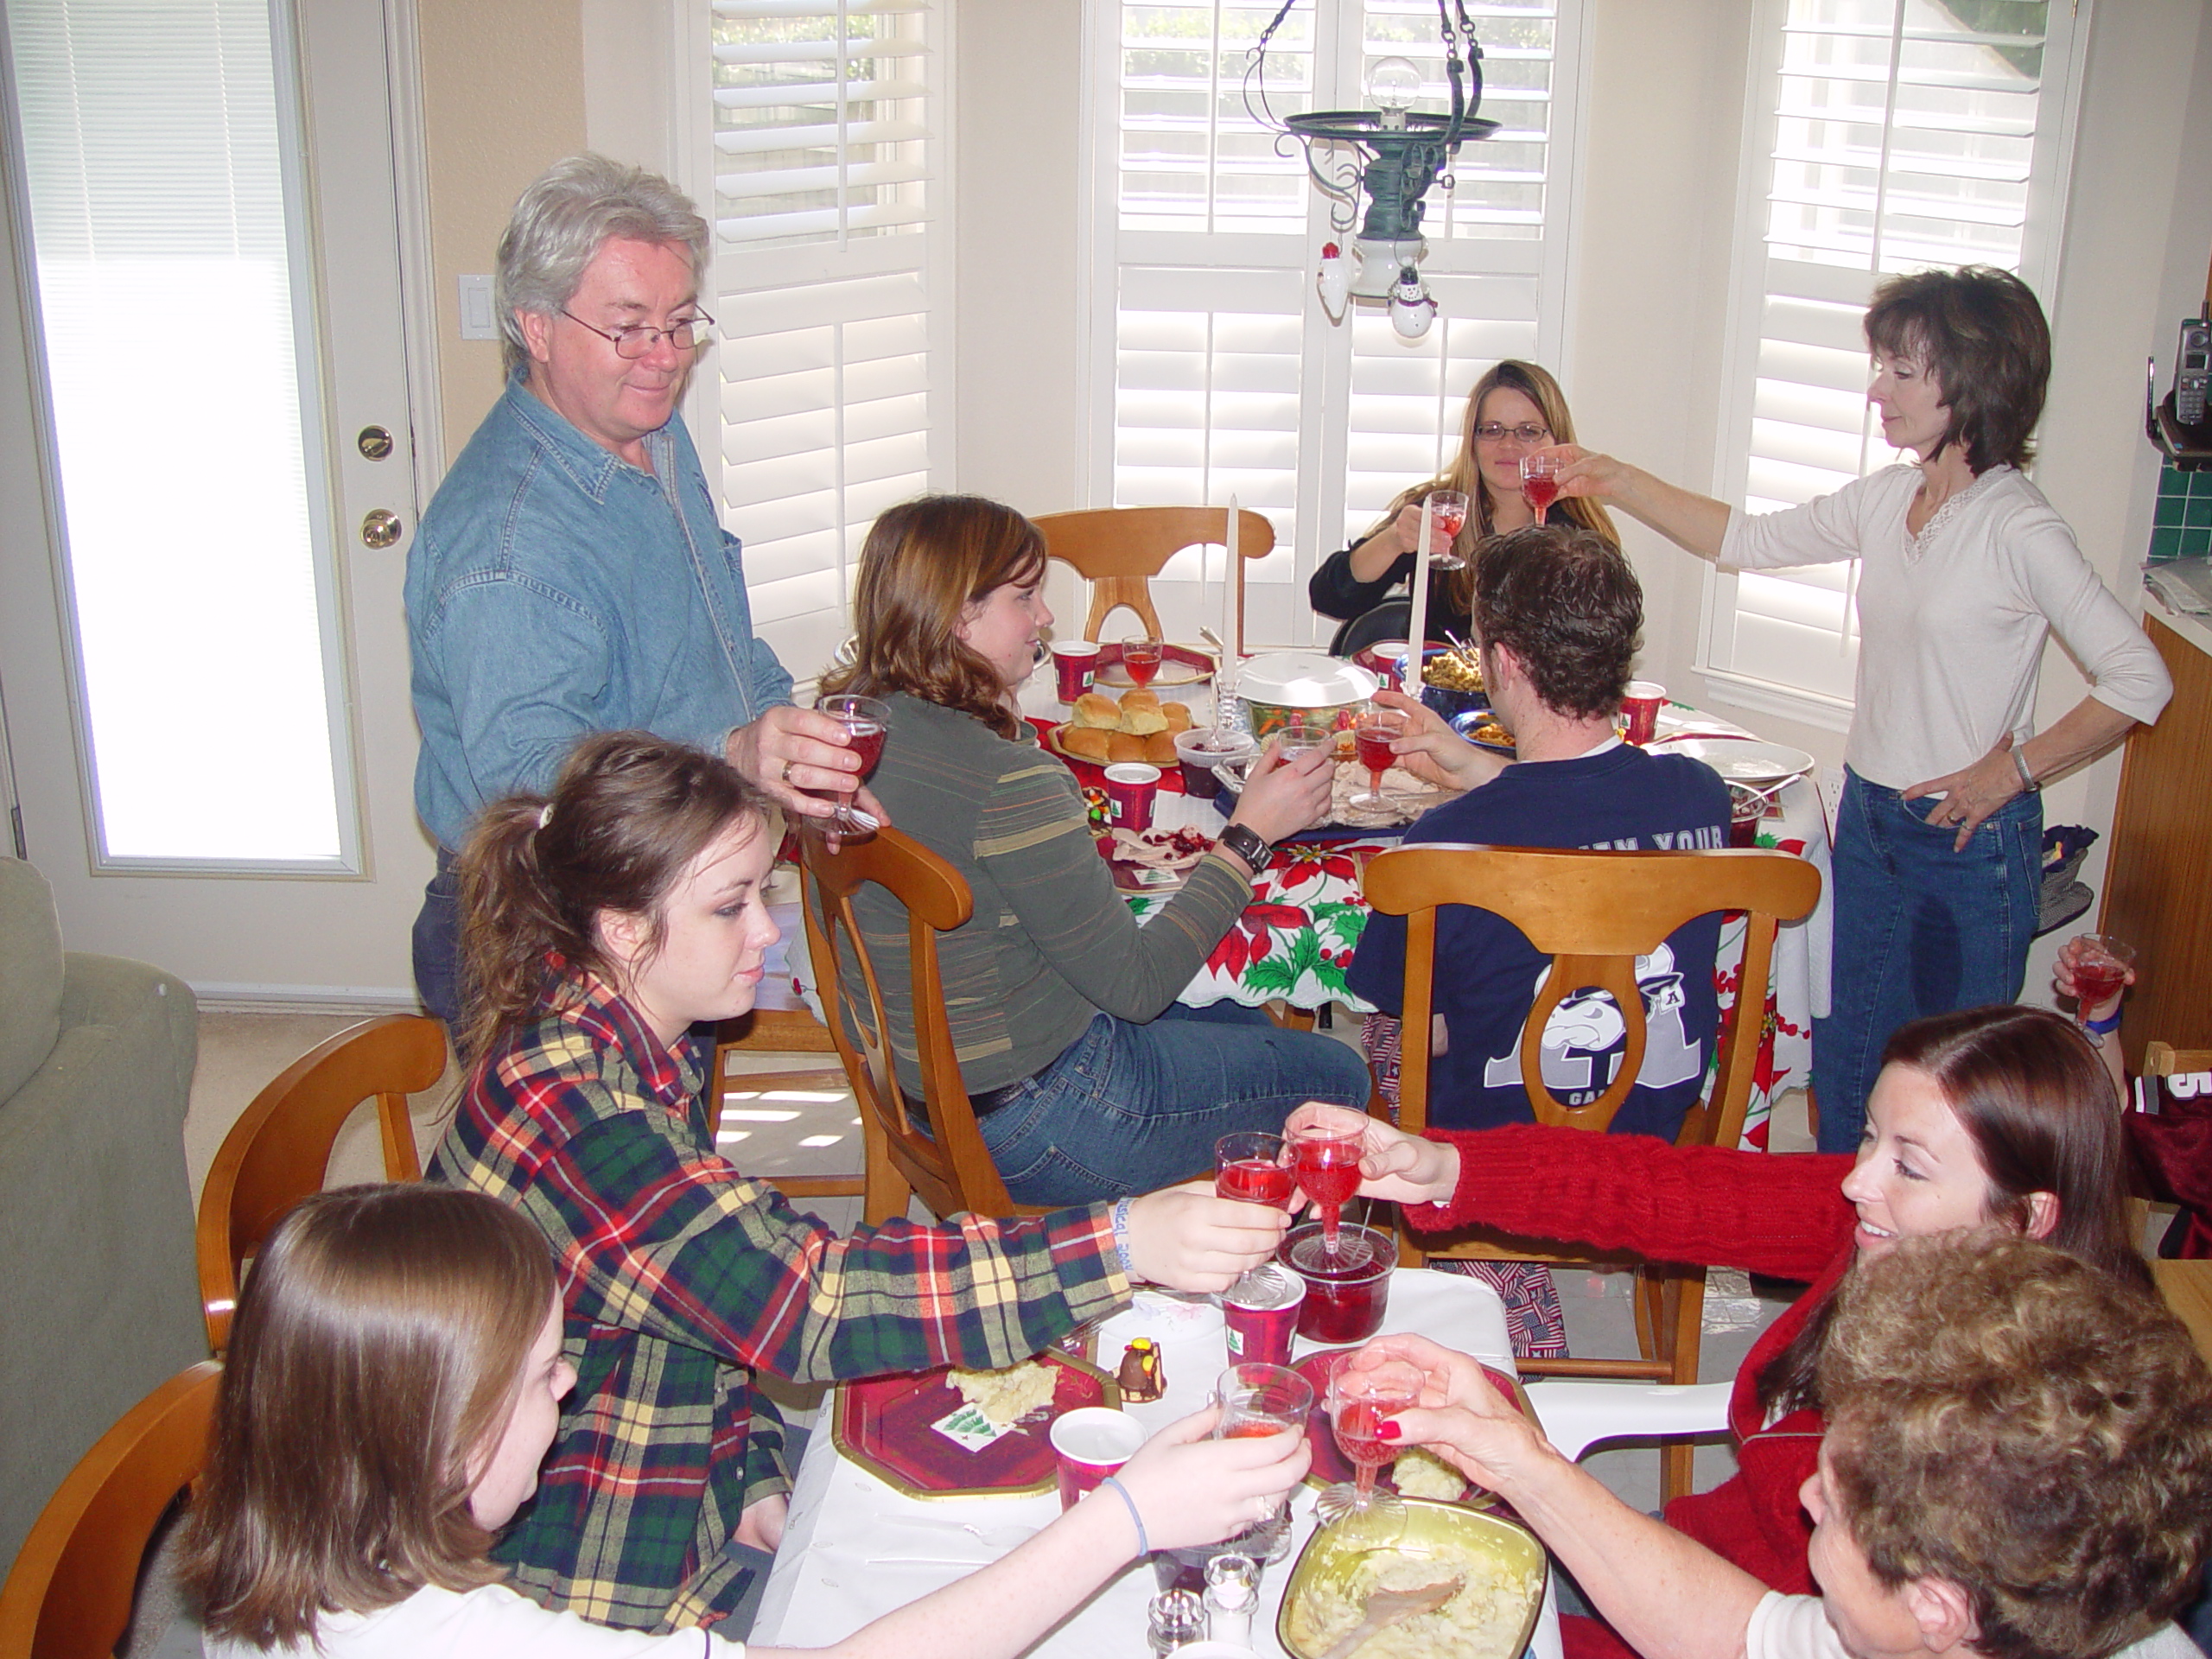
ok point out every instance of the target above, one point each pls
(1261, 1311)
(1130, 786)
(1088, 1443)
(1640, 707)
(1747, 810)
(1345, 1298)
(1078, 663)
(1384, 657)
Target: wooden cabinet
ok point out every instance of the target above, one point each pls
(2158, 879)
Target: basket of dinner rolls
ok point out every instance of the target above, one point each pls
(1139, 727)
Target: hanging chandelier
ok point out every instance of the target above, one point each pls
(1389, 156)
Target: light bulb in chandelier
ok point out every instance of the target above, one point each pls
(1394, 83)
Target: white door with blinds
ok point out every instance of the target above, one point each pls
(211, 485)
(1882, 136)
(1214, 371)
(819, 171)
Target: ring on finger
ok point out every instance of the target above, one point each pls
(787, 772)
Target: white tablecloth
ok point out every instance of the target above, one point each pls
(854, 1548)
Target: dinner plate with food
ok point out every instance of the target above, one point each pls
(959, 1433)
(1406, 797)
(1105, 730)
(1457, 1583)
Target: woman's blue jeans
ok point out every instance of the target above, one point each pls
(1128, 1109)
(1919, 930)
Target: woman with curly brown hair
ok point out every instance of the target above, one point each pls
(2000, 1115)
(1090, 1079)
(1515, 409)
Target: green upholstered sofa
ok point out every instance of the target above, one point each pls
(98, 1300)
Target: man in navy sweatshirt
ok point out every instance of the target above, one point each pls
(1557, 611)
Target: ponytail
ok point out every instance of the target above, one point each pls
(627, 815)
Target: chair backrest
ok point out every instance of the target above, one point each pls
(1593, 913)
(2163, 1060)
(1118, 548)
(278, 1151)
(69, 1594)
(948, 1166)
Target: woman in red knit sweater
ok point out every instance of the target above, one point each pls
(1987, 1114)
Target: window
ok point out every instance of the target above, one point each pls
(821, 177)
(153, 150)
(1215, 371)
(1884, 135)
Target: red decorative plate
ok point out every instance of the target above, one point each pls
(1329, 1464)
(885, 1425)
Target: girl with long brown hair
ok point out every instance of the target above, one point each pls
(1515, 409)
(393, 1383)
(1999, 1116)
(602, 923)
(1090, 1079)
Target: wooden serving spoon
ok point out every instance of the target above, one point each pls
(1387, 1607)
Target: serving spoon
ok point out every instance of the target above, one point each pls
(1388, 1607)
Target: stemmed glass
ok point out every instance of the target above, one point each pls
(1360, 1402)
(1299, 736)
(1250, 1166)
(1373, 734)
(1447, 512)
(1258, 1400)
(865, 719)
(1141, 659)
(2100, 970)
(1540, 483)
(1327, 1163)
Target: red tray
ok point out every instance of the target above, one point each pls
(883, 1423)
(1329, 1464)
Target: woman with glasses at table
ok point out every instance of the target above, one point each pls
(1090, 1079)
(1515, 409)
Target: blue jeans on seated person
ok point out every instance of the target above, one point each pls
(1128, 1109)
(1919, 930)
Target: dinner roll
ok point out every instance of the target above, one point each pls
(1159, 751)
(1121, 746)
(1178, 716)
(1092, 708)
(1141, 713)
(1086, 742)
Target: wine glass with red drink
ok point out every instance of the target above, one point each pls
(2101, 965)
(865, 719)
(1447, 512)
(1360, 1402)
(1327, 1166)
(1141, 659)
(1539, 482)
(1256, 1400)
(1372, 735)
(1251, 1166)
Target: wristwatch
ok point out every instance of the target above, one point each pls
(1247, 844)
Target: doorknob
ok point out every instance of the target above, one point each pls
(374, 442)
(380, 529)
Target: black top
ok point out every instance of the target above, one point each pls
(1334, 591)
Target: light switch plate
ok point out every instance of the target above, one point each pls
(476, 320)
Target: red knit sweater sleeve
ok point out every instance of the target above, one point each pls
(1779, 1213)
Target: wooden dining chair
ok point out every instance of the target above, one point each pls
(1594, 913)
(1119, 550)
(948, 1165)
(69, 1593)
(278, 1152)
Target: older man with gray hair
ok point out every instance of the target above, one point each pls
(570, 574)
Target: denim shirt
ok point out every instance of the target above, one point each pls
(554, 589)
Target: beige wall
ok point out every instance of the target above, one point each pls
(503, 95)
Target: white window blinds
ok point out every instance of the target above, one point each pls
(1218, 373)
(823, 165)
(1887, 135)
